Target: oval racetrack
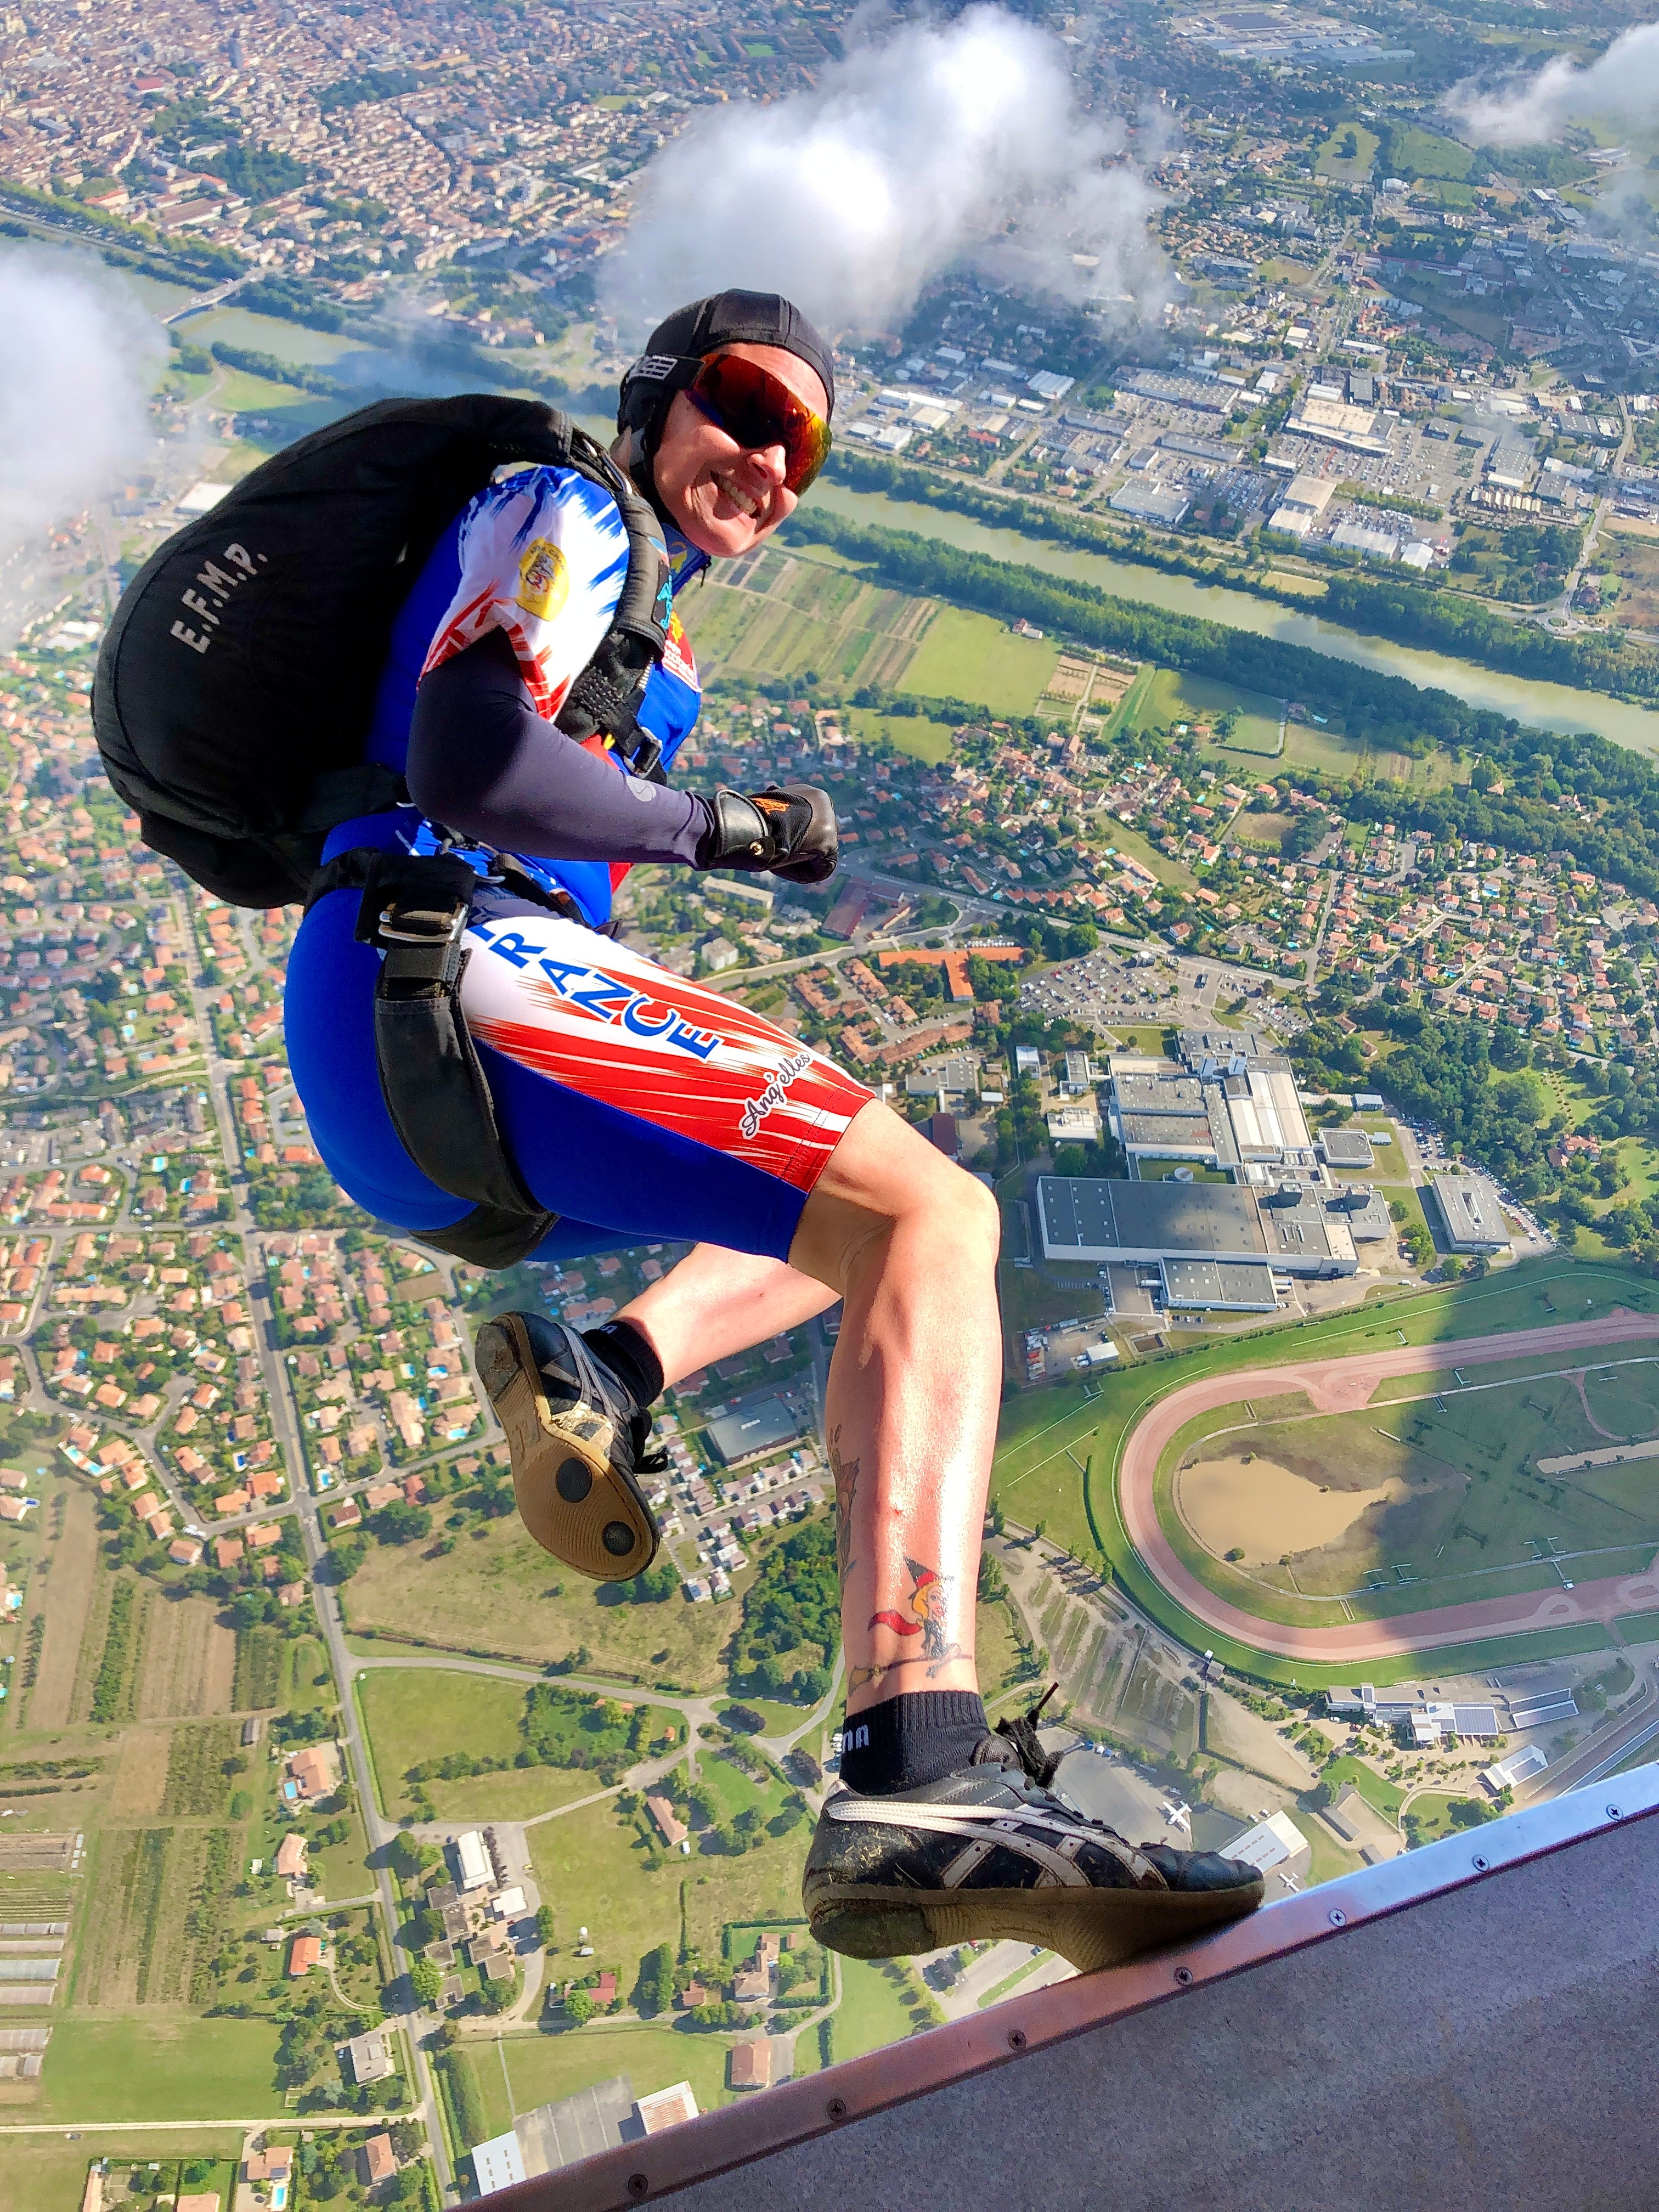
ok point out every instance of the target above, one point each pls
(1342, 1386)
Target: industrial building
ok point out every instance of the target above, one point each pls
(1110, 1222)
(760, 1425)
(1347, 1148)
(473, 1860)
(1224, 1113)
(1469, 1213)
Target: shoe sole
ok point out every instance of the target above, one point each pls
(1089, 1927)
(572, 1497)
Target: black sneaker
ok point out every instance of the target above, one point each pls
(579, 1439)
(992, 1852)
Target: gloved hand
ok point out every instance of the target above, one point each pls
(789, 831)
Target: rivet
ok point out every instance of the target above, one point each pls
(837, 2108)
(638, 2186)
(1338, 1917)
(1016, 2038)
(1184, 1976)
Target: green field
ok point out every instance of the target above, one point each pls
(158, 2068)
(1330, 1862)
(876, 1997)
(49, 2173)
(419, 1713)
(1163, 865)
(919, 735)
(794, 615)
(1037, 1477)
(1329, 161)
(544, 2068)
(1378, 1792)
(1423, 154)
(968, 656)
(1171, 697)
(1468, 1500)
(499, 1594)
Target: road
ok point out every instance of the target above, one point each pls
(1335, 1386)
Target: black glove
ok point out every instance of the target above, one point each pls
(789, 832)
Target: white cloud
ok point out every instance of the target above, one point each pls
(77, 357)
(934, 144)
(1621, 87)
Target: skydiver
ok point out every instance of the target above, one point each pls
(643, 1108)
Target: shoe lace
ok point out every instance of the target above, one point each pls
(592, 1380)
(1038, 1763)
(647, 1459)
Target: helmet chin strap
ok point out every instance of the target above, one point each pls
(641, 467)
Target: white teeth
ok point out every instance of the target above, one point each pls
(741, 499)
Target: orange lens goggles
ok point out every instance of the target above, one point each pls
(754, 408)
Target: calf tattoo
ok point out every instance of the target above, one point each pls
(923, 1615)
(846, 1473)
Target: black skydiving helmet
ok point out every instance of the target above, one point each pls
(676, 351)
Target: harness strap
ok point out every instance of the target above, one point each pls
(414, 910)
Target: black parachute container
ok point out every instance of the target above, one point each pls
(236, 684)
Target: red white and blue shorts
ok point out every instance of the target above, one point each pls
(640, 1107)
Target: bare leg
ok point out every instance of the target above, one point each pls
(716, 1303)
(910, 1242)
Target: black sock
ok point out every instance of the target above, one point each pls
(624, 1351)
(907, 1740)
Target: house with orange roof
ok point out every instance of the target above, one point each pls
(305, 1953)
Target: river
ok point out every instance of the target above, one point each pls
(1545, 706)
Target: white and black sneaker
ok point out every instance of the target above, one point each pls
(579, 1439)
(992, 1852)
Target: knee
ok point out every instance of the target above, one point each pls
(955, 1207)
(978, 1218)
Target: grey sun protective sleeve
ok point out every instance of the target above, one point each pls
(482, 760)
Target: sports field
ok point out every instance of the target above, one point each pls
(1479, 1521)
(1060, 1457)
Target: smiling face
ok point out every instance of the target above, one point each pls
(725, 496)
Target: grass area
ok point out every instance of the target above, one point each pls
(1465, 1497)
(481, 2056)
(732, 1791)
(919, 735)
(1171, 697)
(150, 2067)
(876, 1999)
(1127, 713)
(421, 1714)
(1432, 1813)
(307, 1681)
(501, 1592)
(50, 2174)
(1423, 154)
(1173, 1170)
(520, 1794)
(1330, 1862)
(1036, 1475)
(544, 2068)
(591, 1867)
(1378, 1792)
(339, 1869)
(1335, 159)
(969, 656)
(1638, 1627)
(1141, 848)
